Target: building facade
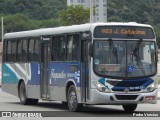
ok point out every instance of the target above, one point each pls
(100, 8)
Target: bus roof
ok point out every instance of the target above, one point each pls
(67, 29)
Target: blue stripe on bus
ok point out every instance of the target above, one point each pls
(132, 85)
(35, 74)
(60, 72)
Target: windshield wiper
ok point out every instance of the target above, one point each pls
(135, 52)
(114, 50)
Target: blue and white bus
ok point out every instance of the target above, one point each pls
(99, 63)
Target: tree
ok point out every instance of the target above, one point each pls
(74, 15)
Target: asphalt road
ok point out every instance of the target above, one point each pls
(11, 103)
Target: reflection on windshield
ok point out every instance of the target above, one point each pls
(124, 58)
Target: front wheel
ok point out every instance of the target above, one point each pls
(73, 104)
(129, 107)
(23, 97)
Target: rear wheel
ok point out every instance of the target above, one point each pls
(130, 107)
(73, 104)
(64, 103)
(23, 97)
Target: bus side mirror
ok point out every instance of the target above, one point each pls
(91, 50)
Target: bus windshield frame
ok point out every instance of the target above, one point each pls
(134, 64)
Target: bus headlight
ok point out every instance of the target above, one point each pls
(100, 87)
(151, 87)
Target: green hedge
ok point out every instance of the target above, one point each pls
(158, 80)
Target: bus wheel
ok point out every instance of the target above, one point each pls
(73, 105)
(130, 107)
(64, 103)
(23, 97)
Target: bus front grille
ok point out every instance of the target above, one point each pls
(126, 97)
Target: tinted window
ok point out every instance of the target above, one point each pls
(34, 49)
(37, 50)
(24, 50)
(54, 48)
(13, 51)
(73, 47)
(9, 47)
(19, 50)
(61, 49)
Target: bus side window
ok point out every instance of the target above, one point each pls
(61, 49)
(72, 48)
(76, 48)
(69, 48)
(9, 47)
(31, 50)
(13, 50)
(34, 50)
(24, 50)
(19, 49)
(54, 48)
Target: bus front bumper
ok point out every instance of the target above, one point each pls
(123, 98)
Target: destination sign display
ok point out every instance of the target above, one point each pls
(127, 32)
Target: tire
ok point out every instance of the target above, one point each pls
(130, 107)
(64, 103)
(73, 104)
(23, 97)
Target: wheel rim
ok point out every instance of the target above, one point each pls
(72, 99)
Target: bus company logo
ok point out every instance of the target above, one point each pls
(126, 90)
(55, 76)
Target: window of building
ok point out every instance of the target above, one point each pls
(82, 1)
(97, 10)
(97, 14)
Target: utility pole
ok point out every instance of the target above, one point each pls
(2, 28)
(106, 10)
(91, 11)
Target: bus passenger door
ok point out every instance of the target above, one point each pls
(85, 82)
(45, 58)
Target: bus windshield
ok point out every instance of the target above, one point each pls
(124, 59)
